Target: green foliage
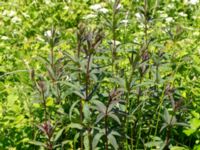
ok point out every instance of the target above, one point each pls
(115, 74)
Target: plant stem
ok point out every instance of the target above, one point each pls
(87, 85)
(114, 53)
(81, 101)
(106, 131)
(52, 58)
(44, 105)
(106, 123)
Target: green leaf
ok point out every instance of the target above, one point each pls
(37, 143)
(59, 133)
(67, 142)
(50, 101)
(166, 116)
(86, 111)
(75, 125)
(72, 108)
(115, 133)
(113, 141)
(86, 142)
(188, 132)
(196, 147)
(154, 144)
(169, 119)
(99, 117)
(96, 139)
(181, 124)
(178, 148)
(114, 117)
(163, 126)
(195, 123)
(100, 106)
(11, 99)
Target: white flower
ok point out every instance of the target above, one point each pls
(103, 10)
(25, 15)
(89, 16)
(5, 12)
(15, 19)
(191, 2)
(135, 40)
(125, 21)
(40, 39)
(194, 17)
(48, 33)
(66, 8)
(115, 42)
(196, 34)
(119, 6)
(182, 14)
(169, 19)
(4, 38)
(141, 26)
(68, 78)
(12, 13)
(163, 15)
(47, 2)
(171, 6)
(9, 13)
(96, 7)
(99, 8)
(138, 16)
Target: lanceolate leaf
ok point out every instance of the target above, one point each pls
(112, 115)
(99, 117)
(100, 106)
(113, 141)
(72, 108)
(86, 111)
(37, 143)
(96, 140)
(59, 133)
(75, 125)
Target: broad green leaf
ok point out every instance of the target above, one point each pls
(195, 123)
(195, 114)
(11, 99)
(50, 101)
(188, 132)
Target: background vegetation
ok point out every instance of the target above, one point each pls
(100, 74)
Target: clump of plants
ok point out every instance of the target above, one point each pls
(90, 75)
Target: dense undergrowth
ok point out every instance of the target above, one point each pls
(100, 74)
